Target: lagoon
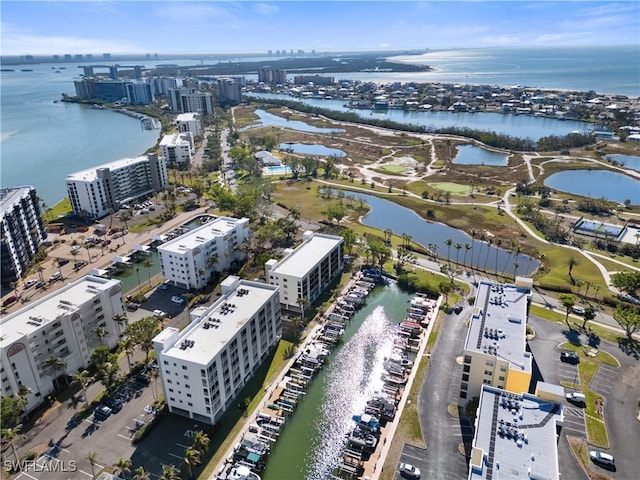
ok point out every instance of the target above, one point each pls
(521, 126)
(612, 186)
(311, 149)
(270, 120)
(472, 155)
(628, 161)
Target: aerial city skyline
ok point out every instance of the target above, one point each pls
(46, 28)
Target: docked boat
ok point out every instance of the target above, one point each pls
(367, 422)
(363, 438)
(396, 380)
(240, 472)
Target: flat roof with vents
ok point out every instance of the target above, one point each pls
(515, 437)
(203, 339)
(499, 323)
(47, 309)
(304, 258)
(218, 227)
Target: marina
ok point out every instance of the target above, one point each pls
(308, 426)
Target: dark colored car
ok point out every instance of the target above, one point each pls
(569, 357)
(62, 261)
(114, 404)
(79, 264)
(102, 412)
(142, 378)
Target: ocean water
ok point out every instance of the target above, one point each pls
(42, 141)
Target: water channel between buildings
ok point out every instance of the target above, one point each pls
(311, 444)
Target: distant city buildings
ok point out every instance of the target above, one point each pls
(516, 435)
(162, 85)
(229, 91)
(189, 260)
(204, 366)
(314, 79)
(189, 122)
(139, 93)
(306, 271)
(177, 148)
(495, 351)
(186, 100)
(272, 76)
(22, 231)
(68, 325)
(96, 192)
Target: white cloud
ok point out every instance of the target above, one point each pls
(501, 40)
(564, 38)
(266, 8)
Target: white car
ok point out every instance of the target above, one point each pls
(602, 458)
(177, 299)
(576, 397)
(158, 313)
(409, 471)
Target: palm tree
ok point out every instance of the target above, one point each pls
(120, 318)
(568, 301)
(457, 246)
(10, 435)
(448, 242)
(56, 364)
(141, 474)
(123, 217)
(473, 241)
(572, 262)
(23, 391)
(483, 237)
(92, 457)
(122, 466)
(486, 260)
(126, 345)
(301, 301)
(588, 315)
(467, 247)
(498, 244)
(169, 472)
(83, 379)
(201, 442)
(148, 264)
(191, 459)
(101, 332)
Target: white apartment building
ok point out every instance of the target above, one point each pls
(229, 91)
(190, 100)
(22, 231)
(516, 436)
(61, 325)
(189, 122)
(307, 270)
(495, 351)
(204, 366)
(177, 148)
(189, 260)
(97, 191)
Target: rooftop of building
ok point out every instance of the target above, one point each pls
(300, 261)
(187, 117)
(217, 227)
(90, 174)
(203, 339)
(515, 436)
(174, 139)
(9, 196)
(50, 308)
(499, 322)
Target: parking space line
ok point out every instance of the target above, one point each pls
(176, 456)
(402, 455)
(126, 438)
(87, 474)
(26, 475)
(183, 446)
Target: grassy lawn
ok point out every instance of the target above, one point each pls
(452, 187)
(393, 169)
(60, 209)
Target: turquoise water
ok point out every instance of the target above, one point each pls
(278, 170)
(311, 444)
(312, 149)
(628, 161)
(613, 186)
(472, 155)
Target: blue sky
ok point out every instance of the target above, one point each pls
(84, 26)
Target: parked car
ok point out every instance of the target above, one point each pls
(102, 412)
(159, 313)
(142, 378)
(409, 471)
(132, 306)
(578, 309)
(177, 299)
(114, 404)
(9, 301)
(79, 264)
(30, 283)
(569, 357)
(55, 276)
(602, 458)
(576, 397)
(62, 261)
(41, 284)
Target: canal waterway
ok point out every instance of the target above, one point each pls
(311, 444)
(385, 214)
(520, 126)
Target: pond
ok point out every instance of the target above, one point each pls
(270, 120)
(612, 186)
(520, 126)
(385, 215)
(311, 149)
(472, 155)
(629, 161)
